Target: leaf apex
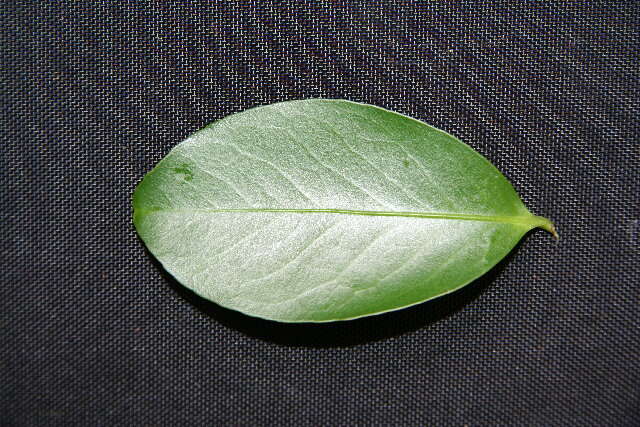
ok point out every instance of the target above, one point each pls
(546, 224)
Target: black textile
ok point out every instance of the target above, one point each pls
(93, 332)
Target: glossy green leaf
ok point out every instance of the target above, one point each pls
(322, 210)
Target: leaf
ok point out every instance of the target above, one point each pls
(322, 210)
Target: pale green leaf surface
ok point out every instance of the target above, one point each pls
(322, 210)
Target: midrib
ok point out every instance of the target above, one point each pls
(528, 221)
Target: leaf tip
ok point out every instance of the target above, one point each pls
(550, 227)
(545, 224)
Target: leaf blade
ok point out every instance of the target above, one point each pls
(339, 159)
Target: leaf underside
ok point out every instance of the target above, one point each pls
(322, 210)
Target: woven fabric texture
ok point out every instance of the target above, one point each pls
(94, 332)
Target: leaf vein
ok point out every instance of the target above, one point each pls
(273, 166)
(339, 174)
(298, 255)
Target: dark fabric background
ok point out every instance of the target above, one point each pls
(94, 332)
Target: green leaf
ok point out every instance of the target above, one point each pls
(322, 210)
